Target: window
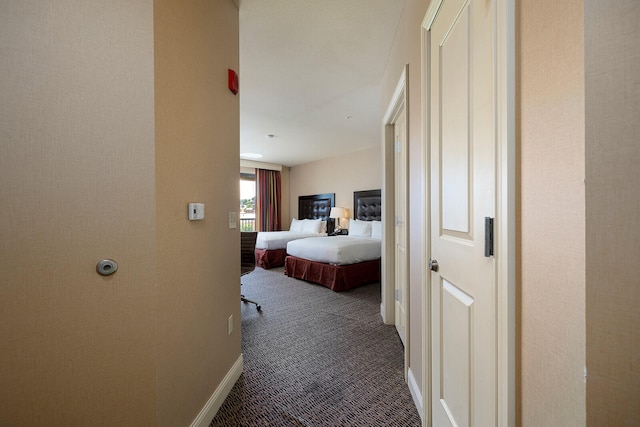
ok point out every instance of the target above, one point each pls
(247, 202)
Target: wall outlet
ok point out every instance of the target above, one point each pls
(230, 325)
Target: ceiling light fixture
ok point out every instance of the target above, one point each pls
(251, 155)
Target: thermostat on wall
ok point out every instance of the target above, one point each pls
(196, 211)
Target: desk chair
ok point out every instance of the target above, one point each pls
(248, 259)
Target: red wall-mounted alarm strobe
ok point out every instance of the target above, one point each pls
(233, 81)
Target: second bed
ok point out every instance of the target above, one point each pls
(271, 246)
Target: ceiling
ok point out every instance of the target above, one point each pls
(310, 74)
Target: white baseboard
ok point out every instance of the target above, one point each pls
(382, 314)
(214, 403)
(415, 393)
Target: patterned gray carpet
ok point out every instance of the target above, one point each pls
(314, 357)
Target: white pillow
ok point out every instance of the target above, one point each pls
(376, 229)
(311, 225)
(359, 228)
(323, 227)
(296, 226)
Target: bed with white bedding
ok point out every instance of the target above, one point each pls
(279, 239)
(342, 262)
(271, 246)
(336, 250)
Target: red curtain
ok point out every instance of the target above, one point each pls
(268, 200)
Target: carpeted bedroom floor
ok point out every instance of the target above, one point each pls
(314, 357)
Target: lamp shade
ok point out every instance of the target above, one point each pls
(337, 213)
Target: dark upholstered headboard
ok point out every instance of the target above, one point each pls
(317, 206)
(367, 205)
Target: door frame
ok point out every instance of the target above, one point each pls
(505, 211)
(399, 100)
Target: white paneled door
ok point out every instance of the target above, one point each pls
(401, 282)
(462, 143)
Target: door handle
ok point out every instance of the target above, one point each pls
(433, 264)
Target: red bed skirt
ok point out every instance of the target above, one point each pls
(338, 278)
(270, 258)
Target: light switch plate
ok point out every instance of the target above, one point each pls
(196, 211)
(233, 223)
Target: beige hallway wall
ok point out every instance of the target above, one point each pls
(76, 186)
(551, 217)
(407, 50)
(612, 64)
(412, 33)
(86, 176)
(197, 160)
